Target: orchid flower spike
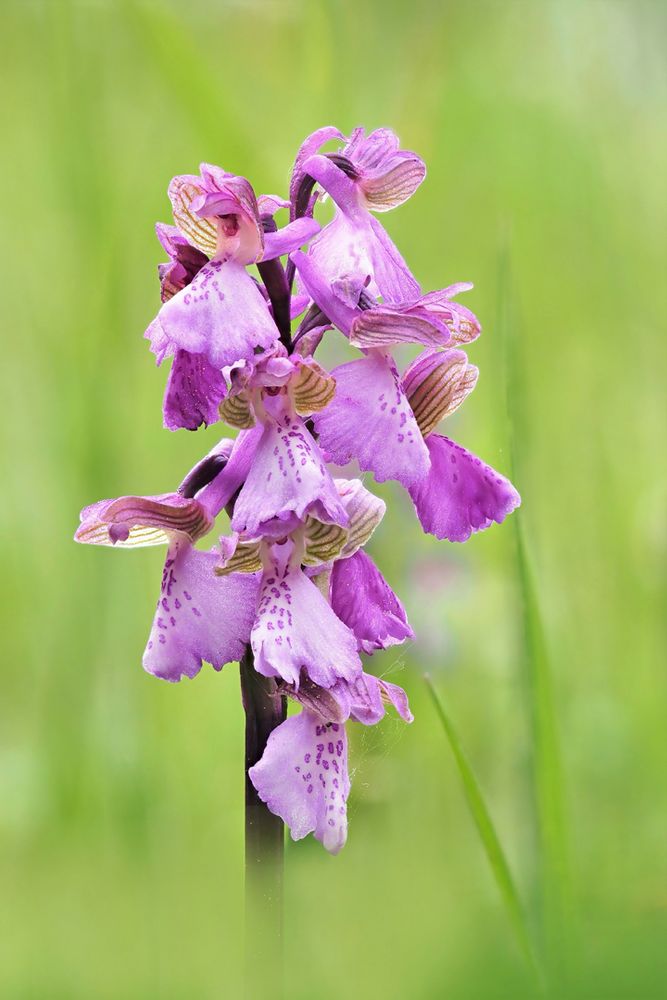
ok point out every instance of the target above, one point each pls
(291, 587)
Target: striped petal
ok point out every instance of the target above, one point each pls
(460, 321)
(202, 233)
(238, 557)
(236, 411)
(387, 327)
(323, 542)
(395, 186)
(436, 383)
(135, 522)
(312, 388)
(364, 510)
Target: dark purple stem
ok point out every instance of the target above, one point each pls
(273, 275)
(265, 709)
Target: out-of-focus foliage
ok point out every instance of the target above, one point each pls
(121, 797)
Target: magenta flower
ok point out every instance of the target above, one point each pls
(199, 617)
(303, 774)
(385, 421)
(288, 477)
(298, 634)
(369, 174)
(218, 316)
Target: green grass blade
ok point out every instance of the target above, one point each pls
(488, 836)
(554, 880)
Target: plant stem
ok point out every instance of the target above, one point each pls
(265, 709)
(272, 274)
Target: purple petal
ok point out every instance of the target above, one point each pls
(342, 189)
(461, 322)
(323, 292)
(287, 476)
(308, 148)
(392, 275)
(395, 184)
(220, 490)
(362, 246)
(298, 304)
(221, 315)
(398, 698)
(383, 326)
(171, 239)
(460, 494)
(389, 175)
(289, 238)
(366, 697)
(194, 391)
(296, 629)
(302, 777)
(134, 522)
(199, 617)
(343, 247)
(269, 204)
(370, 419)
(364, 601)
(366, 704)
(307, 343)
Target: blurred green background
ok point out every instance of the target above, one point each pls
(121, 798)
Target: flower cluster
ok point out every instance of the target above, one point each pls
(290, 579)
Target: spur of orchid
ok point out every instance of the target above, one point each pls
(289, 585)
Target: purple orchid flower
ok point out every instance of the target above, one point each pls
(288, 477)
(303, 774)
(460, 494)
(370, 173)
(218, 316)
(385, 421)
(199, 617)
(297, 634)
(195, 387)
